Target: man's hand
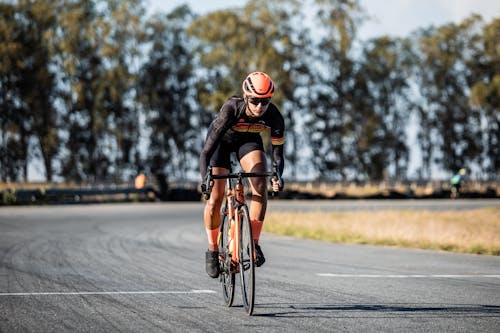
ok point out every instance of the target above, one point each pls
(276, 184)
(206, 186)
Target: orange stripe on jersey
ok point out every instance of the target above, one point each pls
(278, 141)
(247, 127)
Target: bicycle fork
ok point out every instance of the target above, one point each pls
(236, 198)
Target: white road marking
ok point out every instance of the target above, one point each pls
(154, 292)
(407, 276)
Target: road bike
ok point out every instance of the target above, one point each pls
(235, 241)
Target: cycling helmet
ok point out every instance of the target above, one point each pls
(258, 84)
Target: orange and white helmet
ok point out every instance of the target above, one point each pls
(258, 84)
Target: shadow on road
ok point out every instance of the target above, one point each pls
(374, 310)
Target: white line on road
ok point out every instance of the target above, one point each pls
(406, 276)
(110, 293)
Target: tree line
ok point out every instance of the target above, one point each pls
(98, 90)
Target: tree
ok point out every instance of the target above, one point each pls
(28, 86)
(96, 45)
(263, 36)
(485, 94)
(40, 84)
(167, 93)
(335, 91)
(122, 54)
(450, 127)
(386, 65)
(12, 130)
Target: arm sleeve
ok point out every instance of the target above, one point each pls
(278, 158)
(218, 127)
(278, 141)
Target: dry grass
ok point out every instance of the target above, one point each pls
(471, 231)
(352, 189)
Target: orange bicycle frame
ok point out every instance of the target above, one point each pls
(235, 197)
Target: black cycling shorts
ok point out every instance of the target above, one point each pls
(241, 146)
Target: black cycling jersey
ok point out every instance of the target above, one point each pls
(232, 124)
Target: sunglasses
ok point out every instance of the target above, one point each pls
(257, 101)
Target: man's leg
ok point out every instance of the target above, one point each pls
(255, 161)
(211, 217)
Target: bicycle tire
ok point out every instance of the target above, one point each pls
(247, 263)
(226, 277)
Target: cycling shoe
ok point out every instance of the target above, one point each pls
(212, 263)
(259, 256)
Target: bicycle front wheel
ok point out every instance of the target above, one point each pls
(247, 264)
(227, 275)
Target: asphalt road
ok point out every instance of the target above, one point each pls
(140, 268)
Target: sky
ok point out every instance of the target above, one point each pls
(395, 18)
(400, 17)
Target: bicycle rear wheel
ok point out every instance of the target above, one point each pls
(226, 277)
(247, 264)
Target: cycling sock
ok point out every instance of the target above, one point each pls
(212, 238)
(256, 229)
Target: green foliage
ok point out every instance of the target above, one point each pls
(82, 81)
(238, 41)
(96, 50)
(337, 92)
(7, 198)
(485, 93)
(381, 144)
(451, 132)
(264, 36)
(28, 85)
(166, 90)
(11, 162)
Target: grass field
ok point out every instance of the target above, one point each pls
(471, 231)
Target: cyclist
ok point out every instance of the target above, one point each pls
(456, 182)
(237, 128)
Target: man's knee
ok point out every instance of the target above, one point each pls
(214, 204)
(259, 192)
(261, 186)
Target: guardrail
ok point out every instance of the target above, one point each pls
(96, 194)
(189, 192)
(78, 195)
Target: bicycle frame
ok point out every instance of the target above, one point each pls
(235, 200)
(235, 196)
(235, 240)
